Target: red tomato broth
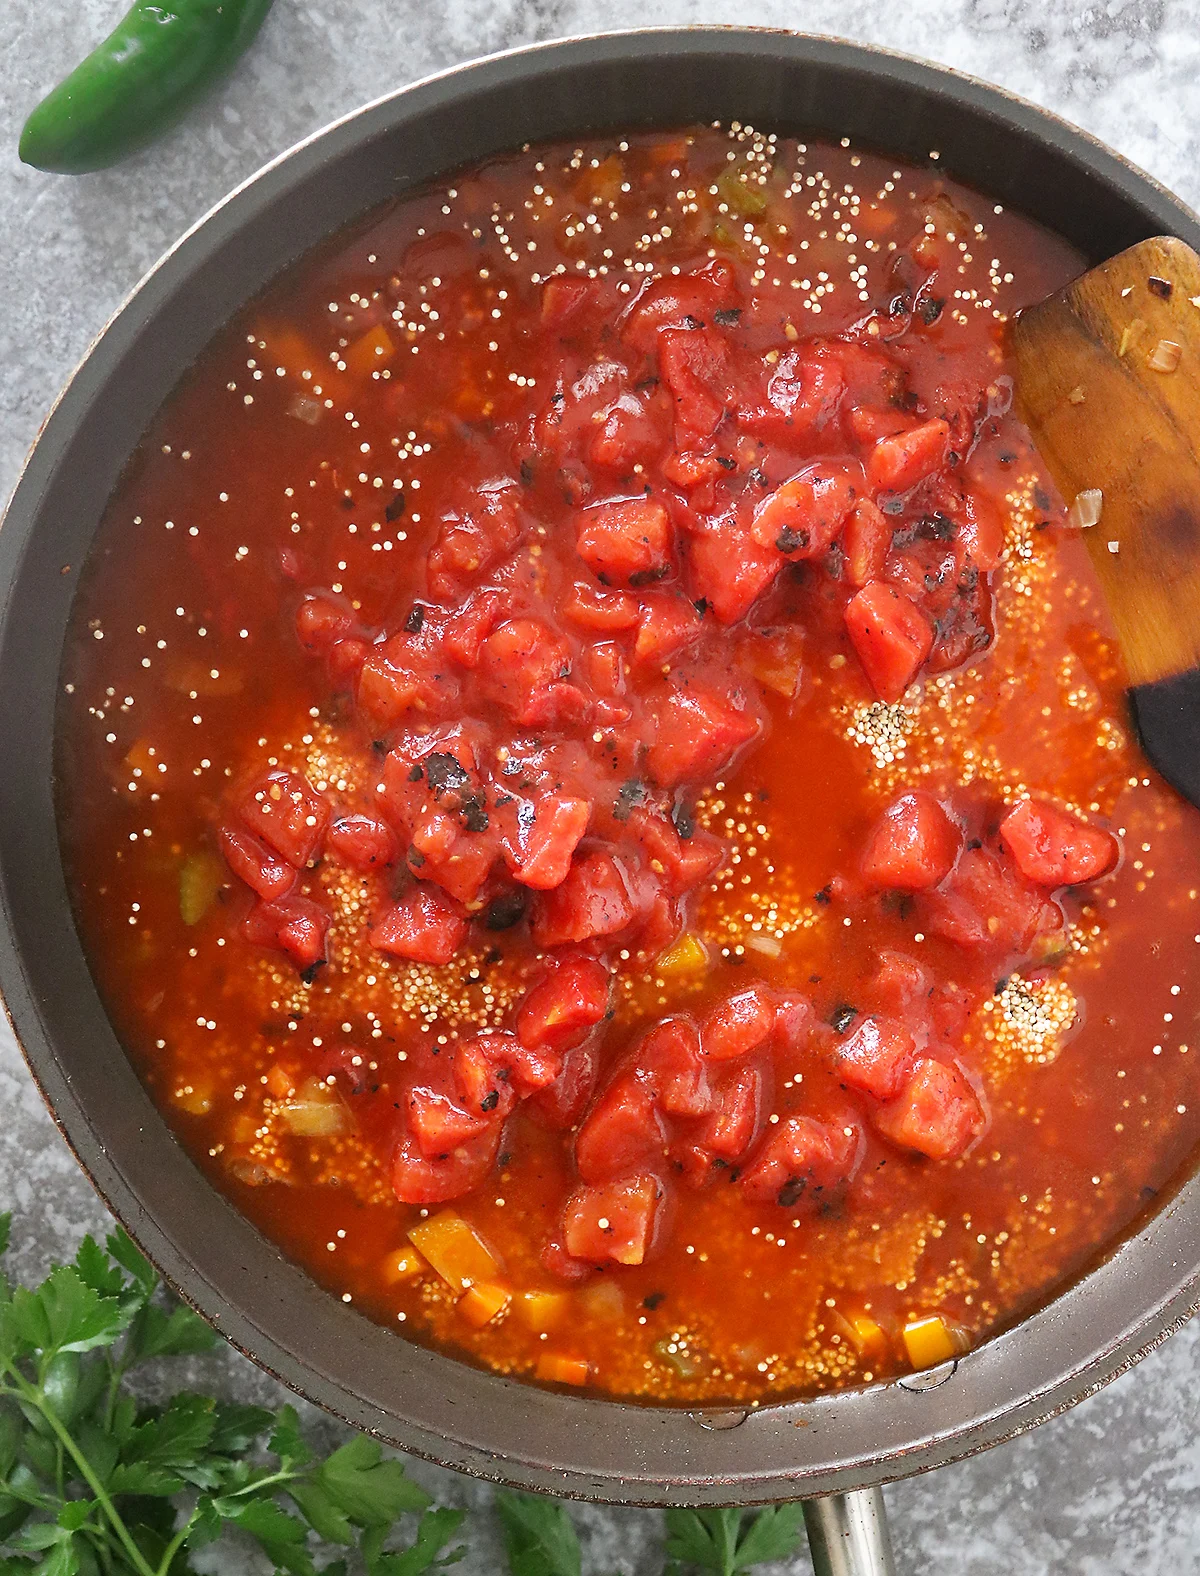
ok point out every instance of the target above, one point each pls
(252, 504)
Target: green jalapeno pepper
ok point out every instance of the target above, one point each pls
(140, 80)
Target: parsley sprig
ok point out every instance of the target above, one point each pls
(96, 1482)
(93, 1483)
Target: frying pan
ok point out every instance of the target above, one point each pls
(840, 1445)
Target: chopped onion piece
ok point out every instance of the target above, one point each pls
(1165, 356)
(305, 408)
(1086, 509)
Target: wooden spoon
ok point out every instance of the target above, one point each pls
(1108, 381)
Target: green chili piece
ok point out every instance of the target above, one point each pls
(157, 62)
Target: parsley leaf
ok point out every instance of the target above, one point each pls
(538, 1536)
(714, 1540)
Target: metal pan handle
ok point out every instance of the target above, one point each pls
(848, 1534)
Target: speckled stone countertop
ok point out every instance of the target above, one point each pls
(1113, 1486)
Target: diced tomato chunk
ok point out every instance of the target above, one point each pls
(320, 622)
(396, 681)
(728, 570)
(457, 861)
(594, 900)
(800, 1158)
(891, 636)
(259, 867)
(601, 610)
(988, 902)
(561, 1104)
(877, 1055)
(794, 1019)
(562, 298)
(866, 538)
(739, 1024)
(698, 733)
(425, 926)
(737, 1116)
(626, 542)
(913, 844)
(613, 1222)
(669, 622)
(623, 1131)
(937, 1113)
(417, 1179)
(683, 862)
(559, 1262)
(437, 1123)
(670, 1064)
(518, 662)
(1053, 848)
(539, 853)
(296, 925)
(898, 463)
(680, 301)
(694, 365)
(492, 1068)
(560, 1009)
(363, 842)
(801, 518)
(627, 436)
(286, 811)
(465, 631)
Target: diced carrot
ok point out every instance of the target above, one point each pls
(931, 1340)
(865, 1334)
(373, 350)
(554, 1368)
(479, 1305)
(404, 1264)
(290, 350)
(543, 1310)
(456, 1250)
(280, 1082)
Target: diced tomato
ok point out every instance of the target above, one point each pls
(739, 1024)
(877, 1055)
(609, 611)
(794, 1020)
(775, 656)
(296, 925)
(562, 1103)
(897, 464)
(286, 811)
(988, 902)
(728, 570)
(539, 852)
(345, 661)
(670, 1064)
(913, 844)
(518, 662)
(1053, 848)
(866, 538)
(559, 1262)
(801, 1158)
(396, 681)
(562, 298)
(981, 534)
(321, 621)
(627, 436)
(622, 1132)
(602, 669)
(469, 544)
(869, 423)
(419, 1180)
(801, 518)
(669, 622)
(363, 842)
(692, 471)
(680, 301)
(613, 1222)
(465, 631)
(594, 900)
(698, 733)
(437, 1123)
(937, 1113)
(457, 861)
(259, 867)
(891, 636)
(803, 396)
(737, 1116)
(425, 926)
(625, 542)
(492, 1068)
(694, 365)
(900, 981)
(682, 862)
(568, 1001)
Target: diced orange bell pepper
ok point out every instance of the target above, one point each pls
(554, 1368)
(456, 1250)
(479, 1305)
